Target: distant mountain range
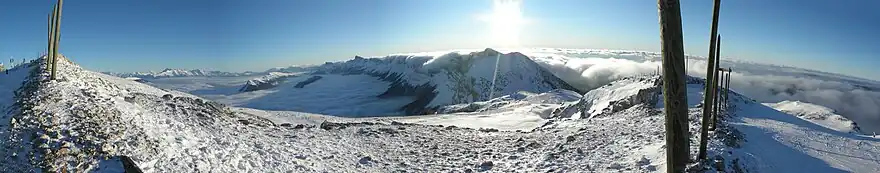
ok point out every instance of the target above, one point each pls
(204, 73)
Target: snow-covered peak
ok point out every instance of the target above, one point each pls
(452, 78)
(817, 114)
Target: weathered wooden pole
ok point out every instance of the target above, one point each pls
(51, 37)
(674, 89)
(717, 99)
(726, 76)
(727, 91)
(716, 92)
(709, 92)
(57, 37)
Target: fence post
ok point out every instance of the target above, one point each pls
(709, 92)
(51, 37)
(727, 92)
(674, 89)
(718, 79)
(57, 37)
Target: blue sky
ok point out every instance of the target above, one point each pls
(124, 36)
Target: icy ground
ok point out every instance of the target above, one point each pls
(82, 120)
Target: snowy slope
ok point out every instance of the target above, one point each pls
(773, 141)
(521, 111)
(9, 87)
(754, 137)
(817, 114)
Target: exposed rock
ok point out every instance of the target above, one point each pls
(487, 165)
(307, 81)
(366, 160)
(167, 96)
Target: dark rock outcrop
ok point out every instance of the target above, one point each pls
(307, 81)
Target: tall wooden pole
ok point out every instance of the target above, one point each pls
(709, 92)
(717, 99)
(715, 90)
(57, 37)
(727, 91)
(51, 37)
(726, 76)
(674, 89)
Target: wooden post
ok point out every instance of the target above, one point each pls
(57, 37)
(709, 92)
(674, 89)
(718, 78)
(724, 86)
(727, 91)
(51, 38)
(715, 102)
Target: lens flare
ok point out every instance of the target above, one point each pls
(505, 22)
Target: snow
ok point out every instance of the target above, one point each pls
(80, 120)
(600, 98)
(516, 112)
(340, 95)
(9, 83)
(778, 142)
(455, 77)
(817, 114)
(168, 131)
(383, 86)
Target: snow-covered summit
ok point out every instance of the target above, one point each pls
(452, 78)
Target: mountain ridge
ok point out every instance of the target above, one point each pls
(451, 78)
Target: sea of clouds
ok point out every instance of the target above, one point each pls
(854, 98)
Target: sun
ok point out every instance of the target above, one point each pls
(505, 22)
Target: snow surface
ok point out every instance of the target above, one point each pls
(522, 111)
(84, 117)
(340, 95)
(596, 101)
(95, 116)
(779, 142)
(9, 84)
(817, 114)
